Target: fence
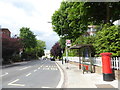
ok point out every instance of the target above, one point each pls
(115, 61)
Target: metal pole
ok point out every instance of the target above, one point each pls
(66, 53)
(79, 60)
(67, 57)
(62, 56)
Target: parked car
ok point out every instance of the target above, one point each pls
(52, 59)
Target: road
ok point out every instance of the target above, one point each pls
(32, 74)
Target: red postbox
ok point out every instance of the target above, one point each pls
(106, 66)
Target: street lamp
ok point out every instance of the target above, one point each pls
(61, 37)
(61, 47)
(62, 55)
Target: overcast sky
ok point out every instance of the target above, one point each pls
(34, 14)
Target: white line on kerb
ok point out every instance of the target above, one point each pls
(28, 74)
(11, 83)
(25, 68)
(3, 74)
(45, 87)
(62, 77)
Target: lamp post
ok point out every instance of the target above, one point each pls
(61, 37)
(62, 55)
(62, 48)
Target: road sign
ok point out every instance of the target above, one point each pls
(68, 43)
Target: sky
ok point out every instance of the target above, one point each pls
(34, 14)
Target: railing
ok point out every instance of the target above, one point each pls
(97, 61)
(115, 61)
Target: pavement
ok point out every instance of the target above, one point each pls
(74, 78)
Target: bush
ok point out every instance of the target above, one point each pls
(108, 40)
(16, 58)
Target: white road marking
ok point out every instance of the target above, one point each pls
(3, 74)
(25, 68)
(35, 70)
(51, 68)
(62, 77)
(11, 83)
(28, 74)
(56, 69)
(41, 65)
(39, 68)
(45, 87)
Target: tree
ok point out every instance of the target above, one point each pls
(72, 18)
(56, 50)
(28, 38)
(69, 21)
(108, 40)
(10, 46)
(62, 42)
(29, 42)
(102, 12)
(40, 48)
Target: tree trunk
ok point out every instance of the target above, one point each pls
(107, 13)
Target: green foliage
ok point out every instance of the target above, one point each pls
(108, 40)
(33, 48)
(85, 40)
(102, 12)
(16, 58)
(69, 20)
(105, 40)
(28, 38)
(40, 48)
(62, 42)
(72, 18)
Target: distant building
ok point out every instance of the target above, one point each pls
(5, 33)
(47, 53)
(91, 30)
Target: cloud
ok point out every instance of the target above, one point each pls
(34, 14)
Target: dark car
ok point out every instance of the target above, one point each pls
(52, 59)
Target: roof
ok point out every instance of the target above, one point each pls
(79, 46)
(5, 29)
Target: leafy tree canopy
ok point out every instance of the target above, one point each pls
(28, 38)
(68, 21)
(72, 18)
(108, 40)
(56, 50)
